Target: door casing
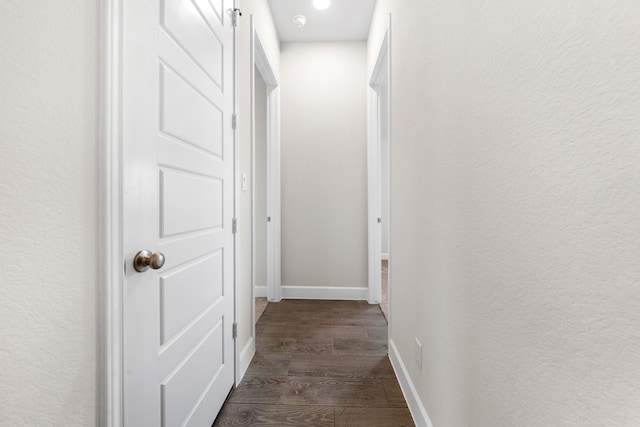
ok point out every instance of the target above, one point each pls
(111, 410)
(260, 60)
(380, 76)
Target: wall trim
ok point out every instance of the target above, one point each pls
(260, 291)
(110, 378)
(246, 355)
(380, 75)
(417, 409)
(326, 292)
(261, 62)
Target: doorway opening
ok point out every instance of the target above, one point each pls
(265, 177)
(379, 177)
(383, 107)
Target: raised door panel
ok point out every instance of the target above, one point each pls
(187, 114)
(189, 202)
(193, 378)
(188, 291)
(188, 25)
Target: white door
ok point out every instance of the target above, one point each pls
(178, 160)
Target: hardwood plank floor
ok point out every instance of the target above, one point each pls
(318, 363)
(261, 304)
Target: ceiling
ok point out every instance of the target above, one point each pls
(344, 20)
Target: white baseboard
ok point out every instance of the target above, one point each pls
(325, 292)
(260, 291)
(246, 355)
(418, 412)
(385, 257)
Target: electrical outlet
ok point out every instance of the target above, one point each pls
(418, 352)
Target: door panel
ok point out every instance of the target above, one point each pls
(200, 207)
(193, 377)
(179, 346)
(199, 125)
(172, 53)
(217, 7)
(186, 292)
(199, 36)
(178, 199)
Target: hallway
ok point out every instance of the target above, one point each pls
(319, 363)
(513, 133)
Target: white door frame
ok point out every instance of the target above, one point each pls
(381, 75)
(238, 373)
(260, 60)
(112, 275)
(111, 254)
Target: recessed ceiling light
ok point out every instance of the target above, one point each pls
(321, 4)
(299, 21)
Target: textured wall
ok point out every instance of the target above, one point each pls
(261, 13)
(48, 212)
(324, 164)
(516, 208)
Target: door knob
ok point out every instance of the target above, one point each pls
(145, 259)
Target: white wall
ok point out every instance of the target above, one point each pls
(260, 197)
(48, 212)
(259, 9)
(515, 208)
(324, 170)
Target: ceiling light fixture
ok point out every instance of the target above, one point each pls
(299, 21)
(321, 4)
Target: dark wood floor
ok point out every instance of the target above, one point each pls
(318, 363)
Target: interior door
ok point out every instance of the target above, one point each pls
(177, 180)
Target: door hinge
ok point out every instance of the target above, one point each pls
(235, 16)
(268, 219)
(234, 225)
(235, 330)
(379, 220)
(234, 121)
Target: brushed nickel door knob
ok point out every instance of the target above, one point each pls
(145, 259)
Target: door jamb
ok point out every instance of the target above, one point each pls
(381, 74)
(237, 375)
